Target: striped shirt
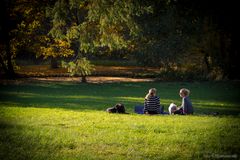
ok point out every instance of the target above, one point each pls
(152, 104)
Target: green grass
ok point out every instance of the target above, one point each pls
(67, 121)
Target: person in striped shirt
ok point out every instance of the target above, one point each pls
(152, 102)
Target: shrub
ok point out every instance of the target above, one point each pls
(81, 67)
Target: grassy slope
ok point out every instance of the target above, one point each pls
(66, 121)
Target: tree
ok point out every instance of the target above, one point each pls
(81, 67)
(201, 35)
(5, 46)
(90, 25)
(217, 35)
(22, 26)
(164, 36)
(94, 24)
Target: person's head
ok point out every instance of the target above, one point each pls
(172, 108)
(151, 93)
(184, 92)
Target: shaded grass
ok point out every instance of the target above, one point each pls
(206, 97)
(67, 121)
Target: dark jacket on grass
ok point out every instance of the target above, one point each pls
(118, 108)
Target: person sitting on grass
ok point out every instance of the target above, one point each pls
(152, 102)
(186, 106)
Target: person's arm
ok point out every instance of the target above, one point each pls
(184, 105)
(181, 106)
(158, 104)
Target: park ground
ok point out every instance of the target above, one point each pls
(48, 113)
(49, 119)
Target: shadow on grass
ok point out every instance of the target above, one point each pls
(9, 140)
(19, 141)
(101, 96)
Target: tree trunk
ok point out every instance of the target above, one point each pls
(207, 62)
(54, 63)
(4, 67)
(11, 73)
(5, 29)
(8, 69)
(84, 79)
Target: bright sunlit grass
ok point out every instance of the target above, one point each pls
(67, 121)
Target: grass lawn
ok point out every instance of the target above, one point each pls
(67, 121)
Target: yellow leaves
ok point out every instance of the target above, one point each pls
(62, 43)
(34, 24)
(47, 52)
(59, 48)
(28, 11)
(73, 33)
(22, 24)
(82, 5)
(44, 39)
(29, 26)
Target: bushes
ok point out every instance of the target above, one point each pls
(176, 75)
(179, 75)
(81, 67)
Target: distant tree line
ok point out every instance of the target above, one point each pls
(192, 36)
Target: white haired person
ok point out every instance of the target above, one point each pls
(152, 102)
(186, 106)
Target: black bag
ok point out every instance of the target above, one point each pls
(118, 108)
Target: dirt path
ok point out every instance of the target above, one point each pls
(76, 80)
(95, 79)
